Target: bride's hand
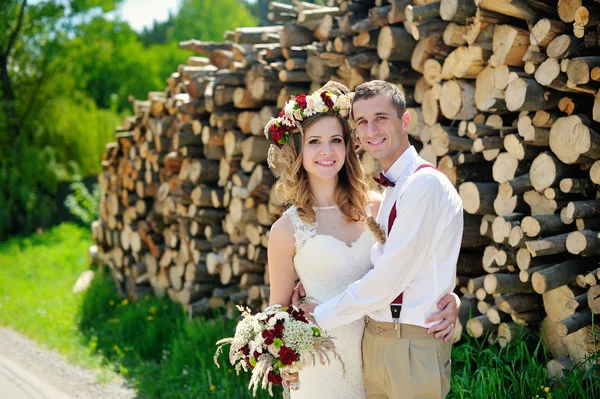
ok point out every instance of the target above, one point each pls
(298, 294)
(450, 305)
(290, 380)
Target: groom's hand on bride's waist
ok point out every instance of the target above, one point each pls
(309, 310)
(298, 294)
(450, 305)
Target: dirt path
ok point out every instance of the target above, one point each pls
(30, 372)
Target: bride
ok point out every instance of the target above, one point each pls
(322, 238)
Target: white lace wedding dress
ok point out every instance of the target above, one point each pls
(326, 266)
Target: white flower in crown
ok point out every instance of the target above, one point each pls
(311, 106)
(320, 105)
(343, 103)
(287, 121)
(289, 109)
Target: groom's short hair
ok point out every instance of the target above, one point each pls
(381, 87)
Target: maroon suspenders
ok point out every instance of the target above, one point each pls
(396, 304)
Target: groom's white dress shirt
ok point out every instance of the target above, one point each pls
(419, 256)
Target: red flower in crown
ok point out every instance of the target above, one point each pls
(301, 101)
(276, 133)
(327, 100)
(287, 355)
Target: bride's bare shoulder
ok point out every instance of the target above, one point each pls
(282, 226)
(375, 199)
(281, 236)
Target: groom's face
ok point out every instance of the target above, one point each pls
(380, 131)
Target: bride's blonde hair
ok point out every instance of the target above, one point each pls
(351, 192)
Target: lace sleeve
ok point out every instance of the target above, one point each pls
(302, 230)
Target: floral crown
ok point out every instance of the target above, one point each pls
(333, 97)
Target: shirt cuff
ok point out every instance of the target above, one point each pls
(325, 316)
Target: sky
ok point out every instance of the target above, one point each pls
(141, 13)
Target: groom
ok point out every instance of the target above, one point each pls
(422, 217)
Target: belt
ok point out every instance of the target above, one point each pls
(387, 330)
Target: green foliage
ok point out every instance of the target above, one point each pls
(158, 33)
(83, 204)
(208, 20)
(516, 371)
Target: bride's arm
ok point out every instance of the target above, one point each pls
(375, 202)
(281, 265)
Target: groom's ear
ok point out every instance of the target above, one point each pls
(406, 120)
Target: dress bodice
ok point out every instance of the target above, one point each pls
(325, 264)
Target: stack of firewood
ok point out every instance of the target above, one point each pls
(503, 97)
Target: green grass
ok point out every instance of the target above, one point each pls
(37, 274)
(516, 371)
(162, 355)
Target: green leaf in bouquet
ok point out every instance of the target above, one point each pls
(252, 361)
(316, 331)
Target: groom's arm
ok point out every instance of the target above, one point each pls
(417, 227)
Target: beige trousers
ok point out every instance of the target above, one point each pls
(406, 363)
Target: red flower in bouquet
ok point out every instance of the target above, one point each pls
(297, 314)
(268, 336)
(287, 355)
(274, 378)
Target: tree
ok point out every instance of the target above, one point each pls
(31, 39)
(209, 19)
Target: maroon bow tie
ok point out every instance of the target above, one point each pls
(384, 181)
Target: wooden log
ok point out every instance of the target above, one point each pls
(517, 9)
(563, 46)
(507, 166)
(395, 44)
(583, 243)
(548, 245)
(515, 186)
(547, 171)
(480, 325)
(457, 100)
(543, 225)
(524, 94)
(418, 13)
(559, 274)
(578, 70)
(574, 323)
(593, 299)
(521, 150)
(478, 198)
(518, 303)
(496, 316)
(489, 89)
(506, 284)
(573, 141)
(545, 30)
(583, 209)
(509, 45)
(457, 10)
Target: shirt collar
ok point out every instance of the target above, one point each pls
(403, 161)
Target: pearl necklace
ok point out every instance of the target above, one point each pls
(324, 208)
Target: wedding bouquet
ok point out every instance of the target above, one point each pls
(278, 340)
